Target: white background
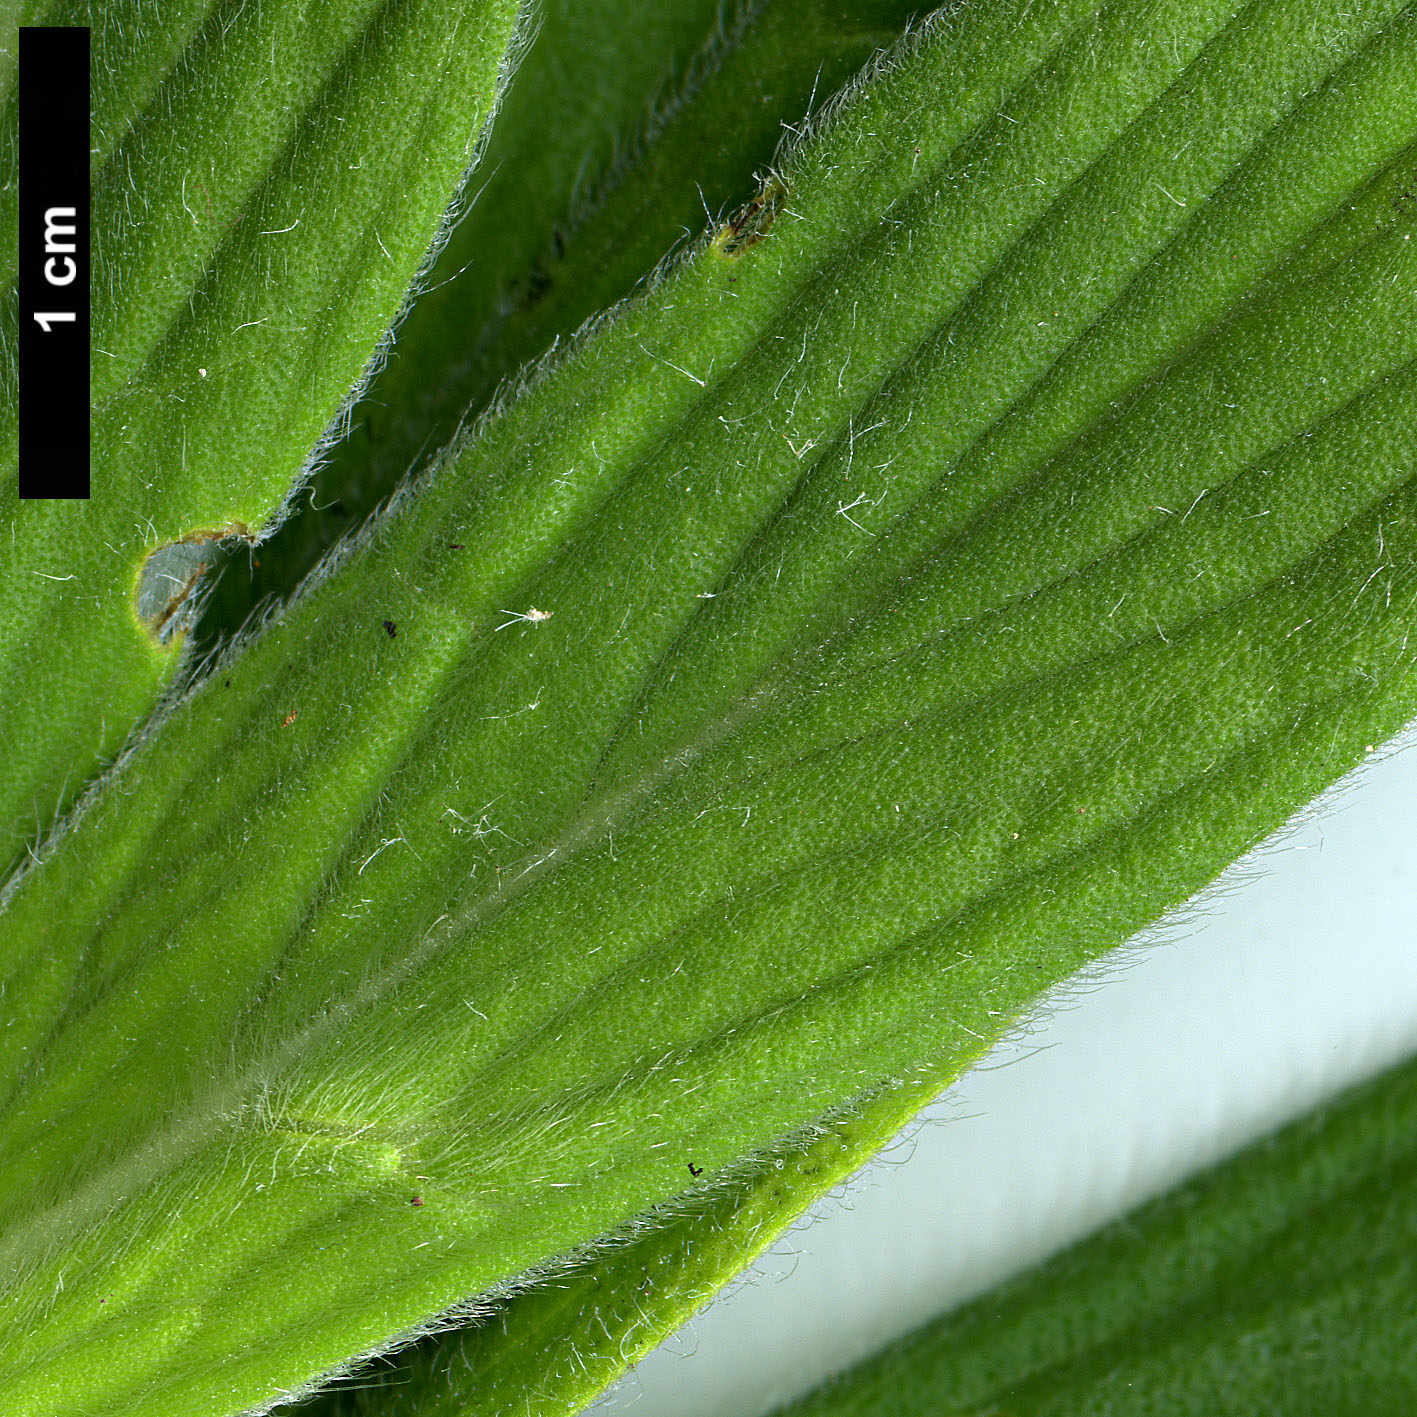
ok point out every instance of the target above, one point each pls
(1294, 977)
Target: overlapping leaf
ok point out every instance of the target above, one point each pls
(982, 541)
(543, 247)
(266, 181)
(570, 218)
(1281, 1281)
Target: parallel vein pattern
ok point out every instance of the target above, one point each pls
(650, 138)
(1281, 1280)
(858, 632)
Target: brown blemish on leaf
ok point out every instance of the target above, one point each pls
(160, 623)
(163, 599)
(754, 221)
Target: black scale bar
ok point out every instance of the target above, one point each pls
(54, 261)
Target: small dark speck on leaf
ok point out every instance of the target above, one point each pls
(695, 1170)
(391, 628)
(417, 1200)
(228, 683)
(455, 546)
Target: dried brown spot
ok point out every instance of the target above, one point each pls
(161, 623)
(164, 598)
(754, 221)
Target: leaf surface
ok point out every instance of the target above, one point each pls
(999, 527)
(558, 231)
(558, 1341)
(650, 139)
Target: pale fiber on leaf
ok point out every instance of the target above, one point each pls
(821, 766)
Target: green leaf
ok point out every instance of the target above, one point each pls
(561, 1339)
(560, 229)
(980, 542)
(1281, 1281)
(265, 185)
(650, 138)
(567, 1332)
